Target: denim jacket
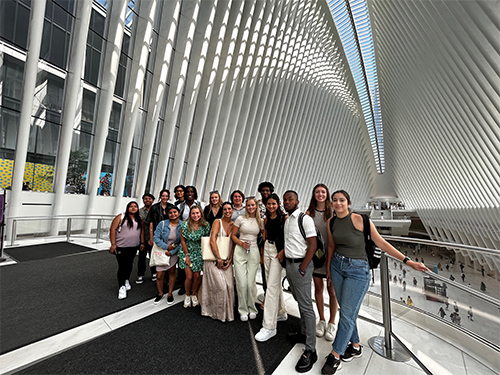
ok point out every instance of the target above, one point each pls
(161, 235)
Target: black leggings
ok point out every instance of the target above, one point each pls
(141, 264)
(125, 258)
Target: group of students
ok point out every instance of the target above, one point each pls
(268, 232)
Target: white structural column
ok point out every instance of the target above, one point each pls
(212, 151)
(239, 111)
(143, 29)
(29, 82)
(187, 26)
(116, 27)
(166, 37)
(253, 91)
(194, 82)
(211, 81)
(70, 108)
(261, 97)
(269, 99)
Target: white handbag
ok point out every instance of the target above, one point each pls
(223, 244)
(159, 256)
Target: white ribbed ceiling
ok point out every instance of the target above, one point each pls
(439, 65)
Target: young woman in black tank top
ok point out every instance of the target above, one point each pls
(274, 308)
(350, 275)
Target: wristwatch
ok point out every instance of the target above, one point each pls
(406, 259)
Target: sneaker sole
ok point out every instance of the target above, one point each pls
(350, 359)
(265, 339)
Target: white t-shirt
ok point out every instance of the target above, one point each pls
(295, 244)
(249, 229)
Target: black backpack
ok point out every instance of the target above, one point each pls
(373, 253)
(319, 257)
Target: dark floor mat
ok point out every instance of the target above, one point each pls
(45, 251)
(49, 296)
(175, 341)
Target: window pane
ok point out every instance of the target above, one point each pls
(21, 33)
(7, 19)
(58, 47)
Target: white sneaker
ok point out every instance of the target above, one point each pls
(194, 301)
(187, 301)
(265, 334)
(244, 318)
(139, 280)
(122, 292)
(282, 317)
(330, 332)
(127, 285)
(320, 328)
(252, 315)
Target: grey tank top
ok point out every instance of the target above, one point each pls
(349, 241)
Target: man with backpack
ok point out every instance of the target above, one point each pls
(299, 252)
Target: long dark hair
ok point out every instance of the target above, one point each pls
(278, 210)
(127, 218)
(314, 203)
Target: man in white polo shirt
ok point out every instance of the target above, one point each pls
(299, 269)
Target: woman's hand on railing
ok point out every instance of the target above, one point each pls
(417, 266)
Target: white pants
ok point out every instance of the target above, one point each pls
(274, 303)
(245, 270)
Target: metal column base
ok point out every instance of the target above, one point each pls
(397, 354)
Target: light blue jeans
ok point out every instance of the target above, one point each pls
(351, 280)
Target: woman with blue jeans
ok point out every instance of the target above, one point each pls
(349, 272)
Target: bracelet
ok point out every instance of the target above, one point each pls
(302, 272)
(406, 259)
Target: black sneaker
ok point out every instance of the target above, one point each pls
(158, 299)
(170, 299)
(306, 361)
(181, 291)
(351, 353)
(331, 365)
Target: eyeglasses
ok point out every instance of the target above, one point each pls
(250, 197)
(215, 191)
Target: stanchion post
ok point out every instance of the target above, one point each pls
(14, 229)
(68, 230)
(98, 231)
(384, 345)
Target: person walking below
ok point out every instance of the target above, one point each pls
(320, 209)
(299, 252)
(349, 271)
(126, 236)
(274, 309)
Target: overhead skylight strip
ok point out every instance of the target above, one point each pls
(353, 24)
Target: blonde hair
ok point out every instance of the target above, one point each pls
(202, 221)
(210, 199)
(257, 214)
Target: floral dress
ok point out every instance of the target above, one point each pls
(193, 242)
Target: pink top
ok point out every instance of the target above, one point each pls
(128, 236)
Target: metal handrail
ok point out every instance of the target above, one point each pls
(449, 245)
(68, 218)
(91, 217)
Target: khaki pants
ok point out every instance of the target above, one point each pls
(245, 270)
